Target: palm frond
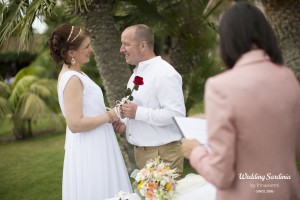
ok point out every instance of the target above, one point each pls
(32, 70)
(21, 87)
(4, 107)
(79, 5)
(5, 89)
(12, 13)
(45, 88)
(211, 7)
(128, 12)
(18, 17)
(39, 90)
(50, 83)
(31, 106)
(2, 8)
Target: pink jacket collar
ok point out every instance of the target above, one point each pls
(253, 56)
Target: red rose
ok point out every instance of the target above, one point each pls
(138, 80)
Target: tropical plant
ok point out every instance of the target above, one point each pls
(29, 99)
(5, 91)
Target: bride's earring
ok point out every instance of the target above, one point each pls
(73, 61)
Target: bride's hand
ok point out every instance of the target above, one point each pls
(114, 115)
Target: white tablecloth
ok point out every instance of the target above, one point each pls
(191, 187)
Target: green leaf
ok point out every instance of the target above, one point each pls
(5, 89)
(31, 106)
(4, 107)
(128, 92)
(130, 98)
(21, 87)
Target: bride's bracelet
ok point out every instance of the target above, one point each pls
(110, 117)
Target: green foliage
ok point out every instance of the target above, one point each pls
(44, 63)
(29, 99)
(192, 47)
(11, 62)
(17, 17)
(63, 13)
(5, 91)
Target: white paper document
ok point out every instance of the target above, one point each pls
(192, 128)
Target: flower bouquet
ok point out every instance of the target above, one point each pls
(156, 181)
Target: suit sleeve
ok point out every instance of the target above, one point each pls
(218, 166)
(298, 137)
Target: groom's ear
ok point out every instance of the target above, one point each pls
(144, 44)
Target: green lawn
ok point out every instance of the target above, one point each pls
(32, 169)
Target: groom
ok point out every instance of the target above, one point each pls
(149, 126)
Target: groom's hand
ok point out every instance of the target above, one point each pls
(129, 110)
(119, 126)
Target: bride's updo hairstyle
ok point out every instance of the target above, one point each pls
(65, 37)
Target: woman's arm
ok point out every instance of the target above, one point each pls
(217, 166)
(73, 104)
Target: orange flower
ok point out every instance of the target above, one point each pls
(168, 187)
(150, 194)
(152, 185)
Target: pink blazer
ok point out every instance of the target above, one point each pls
(253, 114)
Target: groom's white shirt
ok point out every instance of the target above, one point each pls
(159, 100)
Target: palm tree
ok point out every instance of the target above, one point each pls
(284, 17)
(27, 100)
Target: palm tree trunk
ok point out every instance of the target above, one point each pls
(284, 17)
(113, 70)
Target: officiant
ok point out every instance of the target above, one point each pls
(253, 115)
(150, 126)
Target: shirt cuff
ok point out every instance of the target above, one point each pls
(141, 114)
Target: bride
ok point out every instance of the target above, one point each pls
(93, 165)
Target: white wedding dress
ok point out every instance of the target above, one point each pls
(94, 168)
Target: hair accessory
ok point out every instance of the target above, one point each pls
(70, 34)
(76, 36)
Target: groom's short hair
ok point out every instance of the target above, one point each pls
(144, 33)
